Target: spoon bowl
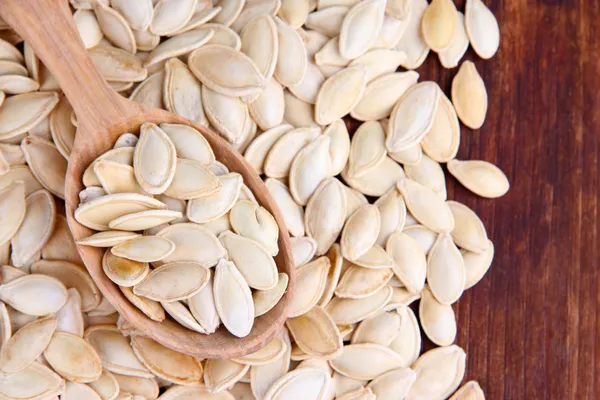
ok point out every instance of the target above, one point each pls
(102, 116)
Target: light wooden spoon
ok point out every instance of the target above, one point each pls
(102, 115)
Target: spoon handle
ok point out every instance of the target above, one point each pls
(48, 27)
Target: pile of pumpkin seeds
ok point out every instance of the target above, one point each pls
(175, 163)
(275, 78)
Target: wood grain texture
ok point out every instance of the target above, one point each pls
(102, 117)
(531, 327)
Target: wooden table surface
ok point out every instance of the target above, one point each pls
(531, 327)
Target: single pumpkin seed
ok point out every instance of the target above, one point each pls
(482, 29)
(481, 177)
(443, 365)
(349, 311)
(310, 281)
(446, 274)
(233, 299)
(366, 361)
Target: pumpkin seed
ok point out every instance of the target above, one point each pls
(340, 94)
(70, 317)
(437, 319)
(439, 24)
(293, 213)
(349, 311)
(251, 259)
(442, 141)
(393, 384)
(36, 227)
(325, 214)
(229, 115)
(34, 294)
(230, 10)
(423, 235)
(477, 264)
(381, 329)
(167, 364)
(469, 232)
(138, 15)
(361, 27)
(265, 300)
(178, 46)
(115, 27)
(311, 382)
(255, 222)
(281, 155)
(213, 206)
(481, 177)
(327, 21)
(410, 265)
(193, 243)
(106, 386)
(291, 57)
(46, 163)
(189, 143)
(366, 361)
(115, 352)
(381, 94)
(150, 91)
(446, 274)
(26, 344)
(428, 173)
(214, 65)
(311, 280)
(360, 232)
(445, 366)
(303, 249)
(107, 238)
(117, 65)
(267, 110)
(172, 282)
(122, 271)
(154, 144)
(22, 112)
(233, 299)
(202, 306)
(367, 149)
(72, 276)
(182, 92)
(171, 15)
(482, 29)
(451, 55)
(470, 390)
(426, 206)
(220, 375)
(73, 358)
(42, 382)
(256, 153)
(13, 209)
(392, 211)
(298, 113)
(310, 167)
(378, 180)
(181, 314)
(192, 180)
(260, 42)
(469, 96)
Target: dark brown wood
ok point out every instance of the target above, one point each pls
(102, 116)
(531, 327)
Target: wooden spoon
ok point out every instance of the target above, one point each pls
(102, 115)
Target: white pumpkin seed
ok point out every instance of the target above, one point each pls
(426, 206)
(213, 206)
(470, 390)
(215, 65)
(412, 42)
(437, 319)
(325, 214)
(26, 344)
(251, 259)
(366, 361)
(446, 274)
(46, 163)
(202, 306)
(193, 243)
(182, 92)
(228, 115)
(154, 144)
(477, 264)
(233, 299)
(310, 282)
(189, 143)
(378, 180)
(428, 173)
(439, 24)
(291, 57)
(381, 329)
(442, 141)
(22, 112)
(115, 27)
(410, 265)
(192, 180)
(265, 300)
(281, 155)
(340, 94)
(451, 55)
(349, 311)
(408, 341)
(88, 28)
(381, 94)
(310, 167)
(123, 272)
(303, 249)
(393, 384)
(469, 232)
(392, 211)
(36, 227)
(267, 110)
(482, 29)
(13, 210)
(360, 232)
(443, 365)
(480, 177)
(73, 358)
(361, 27)
(367, 149)
(293, 213)
(171, 15)
(255, 222)
(260, 42)
(311, 382)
